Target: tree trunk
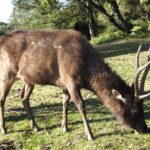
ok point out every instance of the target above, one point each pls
(126, 28)
(92, 21)
(125, 25)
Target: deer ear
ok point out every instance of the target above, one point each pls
(117, 95)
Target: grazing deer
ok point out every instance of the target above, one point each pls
(64, 58)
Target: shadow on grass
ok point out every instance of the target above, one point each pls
(47, 111)
(110, 134)
(116, 49)
(92, 106)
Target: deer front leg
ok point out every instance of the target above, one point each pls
(25, 95)
(66, 98)
(77, 98)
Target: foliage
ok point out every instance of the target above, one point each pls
(33, 13)
(110, 34)
(107, 36)
(99, 14)
(144, 1)
(43, 14)
(3, 28)
(46, 103)
(136, 28)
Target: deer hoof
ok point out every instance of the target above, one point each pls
(65, 129)
(36, 128)
(3, 131)
(90, 137)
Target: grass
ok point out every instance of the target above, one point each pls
(111, 36)
(46, 103)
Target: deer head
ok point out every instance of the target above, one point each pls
(136, 119)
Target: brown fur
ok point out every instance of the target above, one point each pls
(64, 58)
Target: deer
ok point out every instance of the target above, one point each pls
(64, 58)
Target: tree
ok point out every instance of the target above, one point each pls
(52, 14)
(64, 14)
(35, 13)
(118, 21)
(85, 13)
(4, 28)
(125, 24)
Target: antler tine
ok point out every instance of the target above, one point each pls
(141, 97)
(143, 79)
(145, 73)
(136, 86)
(138, 71)
(148, 56)
(137, 57)
(146, 94)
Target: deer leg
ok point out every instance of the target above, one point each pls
(66, 98)
(22, 92)
(77, 98)
(5, 87)
(26, 92)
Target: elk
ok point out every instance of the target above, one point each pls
(64, 58)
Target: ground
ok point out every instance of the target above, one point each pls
(46, 102)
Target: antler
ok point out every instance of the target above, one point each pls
(139, 92)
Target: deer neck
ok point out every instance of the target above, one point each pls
(101, 81)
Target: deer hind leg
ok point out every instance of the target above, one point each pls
(25, 95)
(66, 98)
(77, 98)
(5, 86)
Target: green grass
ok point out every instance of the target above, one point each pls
(111, 36)
(46, 102)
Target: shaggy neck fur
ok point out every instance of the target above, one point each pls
(102, 80)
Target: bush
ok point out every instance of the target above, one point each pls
(2, 33)
(107, 37)
(145, 1)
